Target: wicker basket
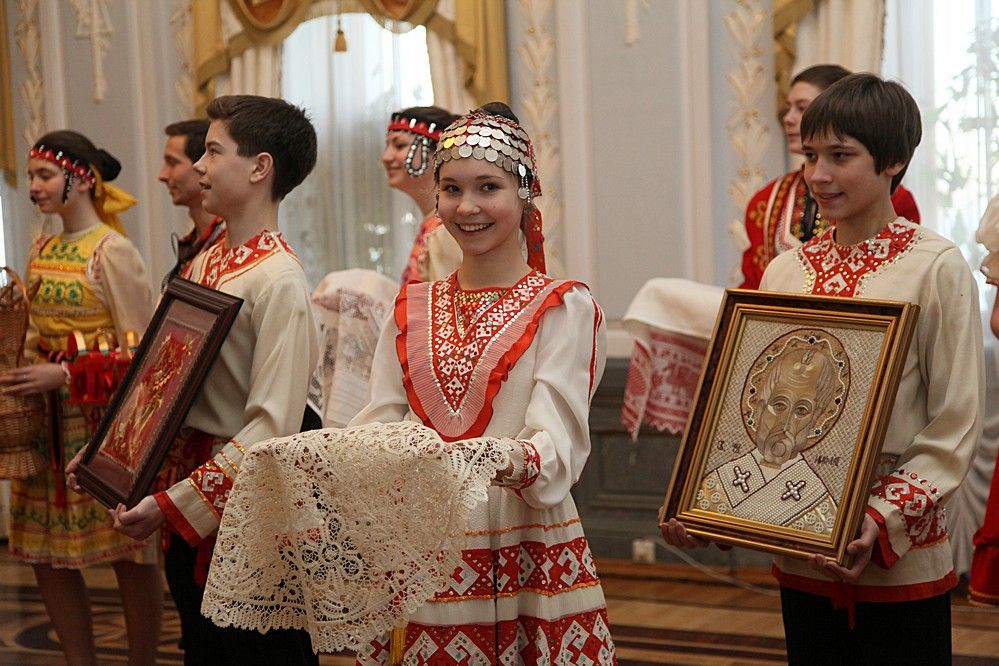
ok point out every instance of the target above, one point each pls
(22, 418)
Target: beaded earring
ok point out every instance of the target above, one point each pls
(68, 185)
(422, 144)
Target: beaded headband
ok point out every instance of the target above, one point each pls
(494, 139)
(414, 125)
(72, 165)
(426, 134)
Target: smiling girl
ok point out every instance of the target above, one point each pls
(498, 349)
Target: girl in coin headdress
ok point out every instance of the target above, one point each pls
(499, 349)
(410, 142)
(90, 279)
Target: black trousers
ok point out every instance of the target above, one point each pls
(206, 644)
(903, 632)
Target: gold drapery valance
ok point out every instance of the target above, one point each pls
(8, 158)
(478, 32)
(787, 13)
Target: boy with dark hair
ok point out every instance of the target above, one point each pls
(782, 215)
(858, 137)
(184, 146)
(257, 150)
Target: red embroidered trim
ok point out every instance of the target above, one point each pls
(528, 566)
(176, 519)
(883, 555)
(917, 502)
(579, 638)
(225, 263)
(785, 194)
(418, 254)
(213, 484)
(636, 390)
(868, 593)
(598, 316)
(450, 364)
(837, 270)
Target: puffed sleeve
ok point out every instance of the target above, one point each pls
(906, 502)
(555, 441)
(387, 400)
(118, 268)
(443, 254)
(988, 235)
(284, 355)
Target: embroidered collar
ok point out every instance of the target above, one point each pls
(841, 270)
(452, 372)
(224, 263)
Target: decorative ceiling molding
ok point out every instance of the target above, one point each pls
(540, 111)
(183, 39)
(93, 22)
(749, 26)
(632, 31)
(28, 40)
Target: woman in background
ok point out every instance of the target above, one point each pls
(410, 142)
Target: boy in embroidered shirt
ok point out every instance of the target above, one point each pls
(257, 150)
(858, 137)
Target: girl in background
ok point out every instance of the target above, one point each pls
(91, 279)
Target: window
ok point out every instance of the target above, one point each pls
(345, 215)
(947, 54)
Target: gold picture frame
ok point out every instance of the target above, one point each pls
(790, 414)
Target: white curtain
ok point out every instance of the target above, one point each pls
(344, 215)
(256, 71)
(946, 55)
(846, 32)
(446, 69)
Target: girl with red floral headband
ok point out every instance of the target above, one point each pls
(410, 142)
(90, 279)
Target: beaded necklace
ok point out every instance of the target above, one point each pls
(470, 305)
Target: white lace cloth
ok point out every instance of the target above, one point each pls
(345, 533)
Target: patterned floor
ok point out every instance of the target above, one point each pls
(660, 614)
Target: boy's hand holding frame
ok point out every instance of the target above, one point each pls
(123, 458)
(791, 411)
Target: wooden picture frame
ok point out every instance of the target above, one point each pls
(146, 412)
(790, 414)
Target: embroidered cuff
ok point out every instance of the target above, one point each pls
(213, 483)
(176, 519)
(908, 505)
(526, 466)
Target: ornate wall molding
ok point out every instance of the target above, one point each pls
(749, 27)
(183, 39)
(539, 105)
(28, 40)
(93, 23)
